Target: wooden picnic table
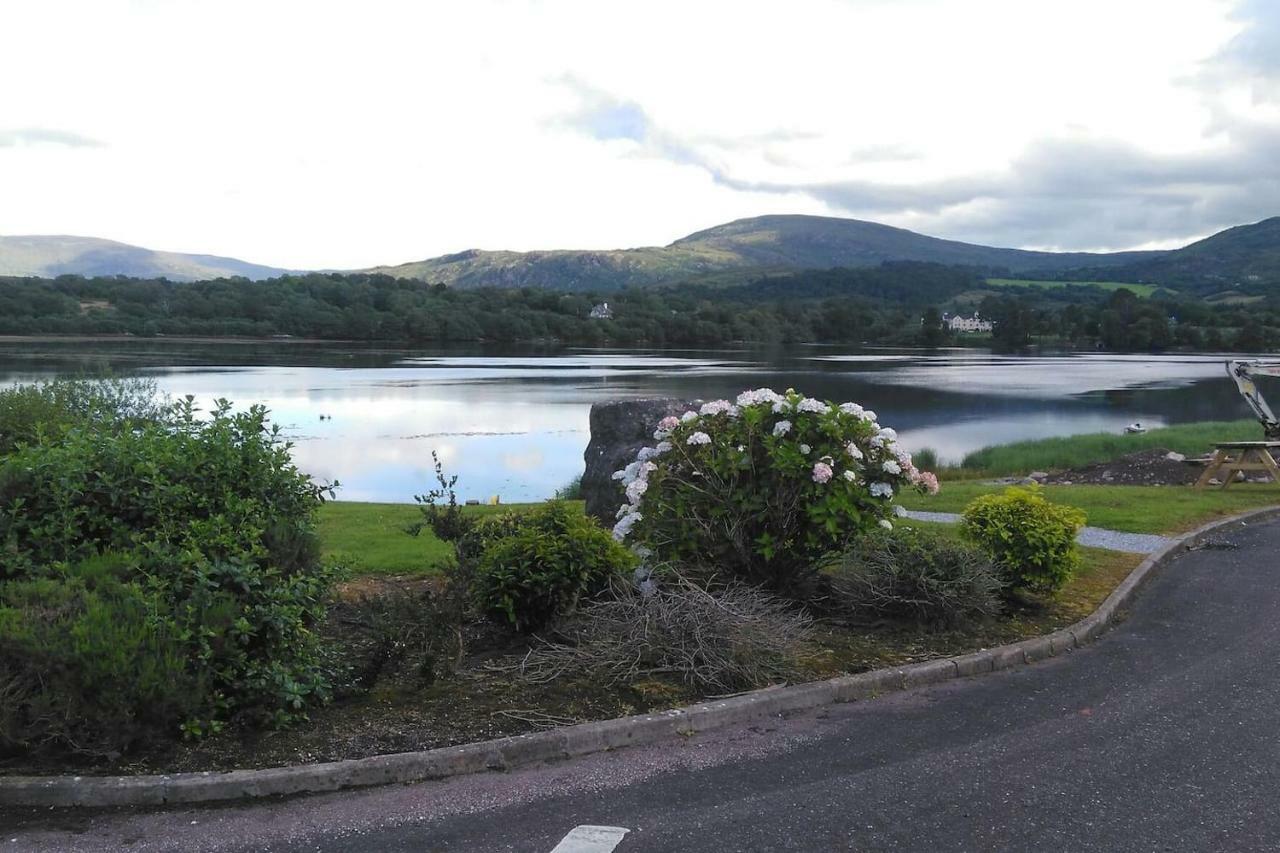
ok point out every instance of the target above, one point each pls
(1235, 456)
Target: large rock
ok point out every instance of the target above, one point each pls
(618, 431)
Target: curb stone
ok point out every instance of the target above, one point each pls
(586, 738)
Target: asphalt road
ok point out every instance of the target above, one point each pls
(1163, 735)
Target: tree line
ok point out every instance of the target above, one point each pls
(894, 304)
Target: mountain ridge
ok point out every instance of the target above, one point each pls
(52, 255)
(776, 241)
(732, 252)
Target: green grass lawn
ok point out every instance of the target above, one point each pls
(1143, 290)
(1056, 454)
(370, 538)
(1136, 509)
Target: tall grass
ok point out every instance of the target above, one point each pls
(1056, 454)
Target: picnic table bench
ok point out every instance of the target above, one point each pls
(1235, 456)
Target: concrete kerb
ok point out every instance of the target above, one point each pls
(586, 738)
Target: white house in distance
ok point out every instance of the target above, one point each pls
(975, 323)
(602, 312)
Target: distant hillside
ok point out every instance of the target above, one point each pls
(1247, 256)
(52, 256)
(749, 245)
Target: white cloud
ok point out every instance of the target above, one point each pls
(342, 134)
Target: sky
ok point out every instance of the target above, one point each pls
(340, 135)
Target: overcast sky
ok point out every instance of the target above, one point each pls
(344, 134)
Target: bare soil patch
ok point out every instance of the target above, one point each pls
(1152, 467)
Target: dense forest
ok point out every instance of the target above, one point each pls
(895, 303)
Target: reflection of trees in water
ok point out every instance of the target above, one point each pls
(1206, 400)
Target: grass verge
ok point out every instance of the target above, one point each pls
(1057, 454)
(1134, 509)
(370, 538)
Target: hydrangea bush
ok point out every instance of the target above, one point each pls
(760, 487)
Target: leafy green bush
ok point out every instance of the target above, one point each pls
(548, 560)
(207, 519)
(89, 664)
(761, 488)
(29, 411)
(1032, 540)
(916, 575)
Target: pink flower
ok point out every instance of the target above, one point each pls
(821, 472)
(670, 422)
(929, 480)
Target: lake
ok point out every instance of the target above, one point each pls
(513, 422)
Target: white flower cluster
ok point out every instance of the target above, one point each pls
(877, 456)
(760, 395)
(719, 407)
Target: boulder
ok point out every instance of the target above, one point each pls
(1039, 476)
(618, 431)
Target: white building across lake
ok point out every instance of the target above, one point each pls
(957, 323)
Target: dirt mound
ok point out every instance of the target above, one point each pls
(1154, 467)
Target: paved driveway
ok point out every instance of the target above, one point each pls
(1164, 735)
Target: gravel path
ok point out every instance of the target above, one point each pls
(1091, 537)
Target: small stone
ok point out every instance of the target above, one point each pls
(1214, 481)
(1027, 481)
(1174, 456)
(1065, 483)
(1039, 475)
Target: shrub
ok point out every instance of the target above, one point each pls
(1031, 540)
(926, 459)
(553, 556)
(407, 634)
(440, 509)
(760, 488)
(91, 666)
(211, 521)
(732, 638)
(916, 575)
(29, 411)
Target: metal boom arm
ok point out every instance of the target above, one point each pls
(1243, 372)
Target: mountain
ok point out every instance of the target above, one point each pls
(1244, 256)
(747, 245)
(52, 256)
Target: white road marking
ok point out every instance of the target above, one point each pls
(591, 839)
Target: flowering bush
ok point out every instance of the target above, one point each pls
(760, 487)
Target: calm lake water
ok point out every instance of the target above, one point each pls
(513, 422)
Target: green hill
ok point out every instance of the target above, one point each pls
(748, 245)
(1245, 257)
(52, 256)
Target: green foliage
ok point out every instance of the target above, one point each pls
(760, 490)
(1029, 538)
(409, 636)
(570, 491)
(207, 520)
(538, 565)
(916, 575)
(881, 304)
(89, 664)
(926, 459)
(28, 412)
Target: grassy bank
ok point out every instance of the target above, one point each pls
(1135, 509)
(370, 538)
(1056, 454)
